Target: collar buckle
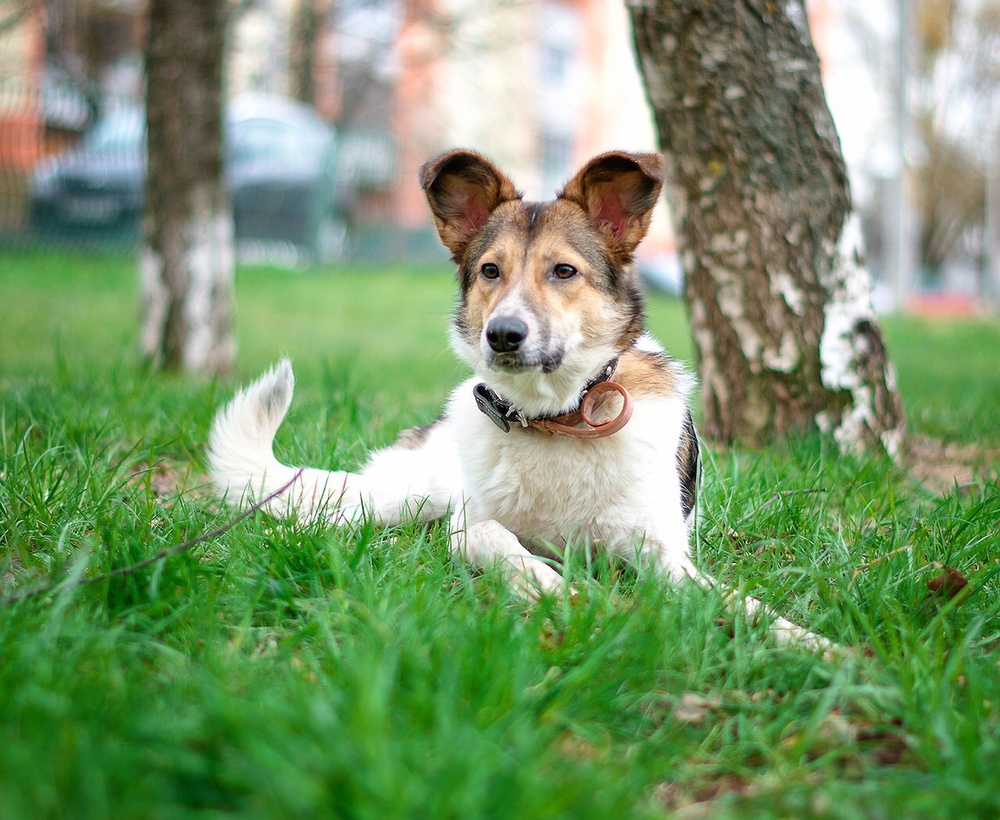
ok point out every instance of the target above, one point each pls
(500, 412)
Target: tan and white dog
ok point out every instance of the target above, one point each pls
(575, 428)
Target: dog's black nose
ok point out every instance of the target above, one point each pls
(506, 333)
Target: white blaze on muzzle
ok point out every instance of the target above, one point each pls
(513, 328)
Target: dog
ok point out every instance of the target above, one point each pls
(575, 429)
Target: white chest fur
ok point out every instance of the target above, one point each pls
(554, 489)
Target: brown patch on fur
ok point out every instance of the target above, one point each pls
(413, 438)
(644, 373)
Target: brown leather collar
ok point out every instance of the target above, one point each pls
(501, 412)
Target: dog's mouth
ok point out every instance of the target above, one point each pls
(521, 363)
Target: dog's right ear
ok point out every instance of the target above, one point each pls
(463, 189)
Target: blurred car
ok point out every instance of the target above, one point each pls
(96, 186)
(280, 168)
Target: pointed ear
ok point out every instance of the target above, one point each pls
(617, 191)
(463, 189)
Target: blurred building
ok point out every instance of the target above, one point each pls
(539, 85)
(59, 60)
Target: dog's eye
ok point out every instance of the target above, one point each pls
(563, 271)
(490, 271)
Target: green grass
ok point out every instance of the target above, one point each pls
(949, 371)
(279, 671)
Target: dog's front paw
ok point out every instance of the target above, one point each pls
(488, 544)
(531, 578)
(787, 633)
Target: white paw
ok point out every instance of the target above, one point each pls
(532, 578)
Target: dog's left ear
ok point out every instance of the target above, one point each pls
(617, 191)
(463, 188)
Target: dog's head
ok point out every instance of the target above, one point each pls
(548, 292)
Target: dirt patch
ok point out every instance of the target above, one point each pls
(943, 467)
(701, 799)
(168, 480)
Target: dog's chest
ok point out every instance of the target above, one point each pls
(542, 485)
(550, 488)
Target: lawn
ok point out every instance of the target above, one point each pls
(299, 671)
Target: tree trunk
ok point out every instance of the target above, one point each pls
(991, 285)
(187, 254)
(305, 25)
(780, 304)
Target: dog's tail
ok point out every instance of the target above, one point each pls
(241, 456)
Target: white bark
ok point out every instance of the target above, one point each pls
(209, 259)
(842, 347)
(204, 297)
(186, 263)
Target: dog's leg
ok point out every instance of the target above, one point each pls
(488, 544)
(676, 565)
(783, 630)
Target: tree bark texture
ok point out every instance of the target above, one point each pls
(187, 254)
(780, 304)
(307, 18)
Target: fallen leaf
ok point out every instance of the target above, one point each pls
(580, 748)
(948, 583)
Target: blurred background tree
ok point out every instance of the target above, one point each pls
(957, 78)
(948, 97)
(187, 256)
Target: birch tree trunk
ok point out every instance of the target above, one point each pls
(187, 253)
(780, 303)
(306, 21)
